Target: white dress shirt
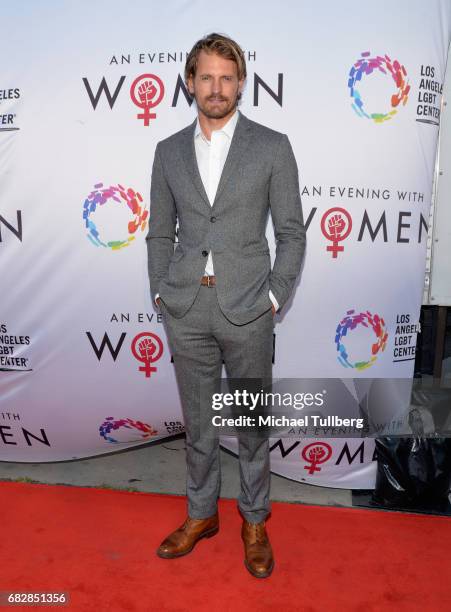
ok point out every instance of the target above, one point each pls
(211, 156)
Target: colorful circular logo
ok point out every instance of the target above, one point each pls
(137, 431)
(368, 65)
(349, 323)
(116, 195)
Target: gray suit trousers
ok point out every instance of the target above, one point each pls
(199, 342)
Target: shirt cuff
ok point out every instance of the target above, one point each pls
(273, 300)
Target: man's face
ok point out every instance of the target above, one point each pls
(215, 86)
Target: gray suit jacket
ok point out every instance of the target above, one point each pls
(260, 174)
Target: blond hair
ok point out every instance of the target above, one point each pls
(221, 45)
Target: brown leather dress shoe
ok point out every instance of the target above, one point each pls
(181, 541)
(257, 549)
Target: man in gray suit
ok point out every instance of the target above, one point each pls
(219, 177)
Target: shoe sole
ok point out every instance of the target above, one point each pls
(257, 574)
(208, 534)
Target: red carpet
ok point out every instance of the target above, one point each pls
(98, 545)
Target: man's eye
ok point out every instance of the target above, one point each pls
(205, 77)
(228, 78)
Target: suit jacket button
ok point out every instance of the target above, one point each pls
(205, 253)
(212, 219)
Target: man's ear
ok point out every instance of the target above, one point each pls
(190, 85)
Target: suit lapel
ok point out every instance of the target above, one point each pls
(238, 146)
(189, 156)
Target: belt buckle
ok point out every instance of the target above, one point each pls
(208, 280)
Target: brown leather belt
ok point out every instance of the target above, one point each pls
(208, 281)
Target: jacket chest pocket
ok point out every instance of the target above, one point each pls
(258, 252)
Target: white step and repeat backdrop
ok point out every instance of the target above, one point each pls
(357, 90)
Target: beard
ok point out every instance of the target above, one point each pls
(217, 107)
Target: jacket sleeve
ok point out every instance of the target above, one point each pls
(162, 221)
(289, 229)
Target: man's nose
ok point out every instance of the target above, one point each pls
(216, 86)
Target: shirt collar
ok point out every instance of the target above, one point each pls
(228, 128)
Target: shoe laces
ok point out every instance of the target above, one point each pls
(258, 531)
